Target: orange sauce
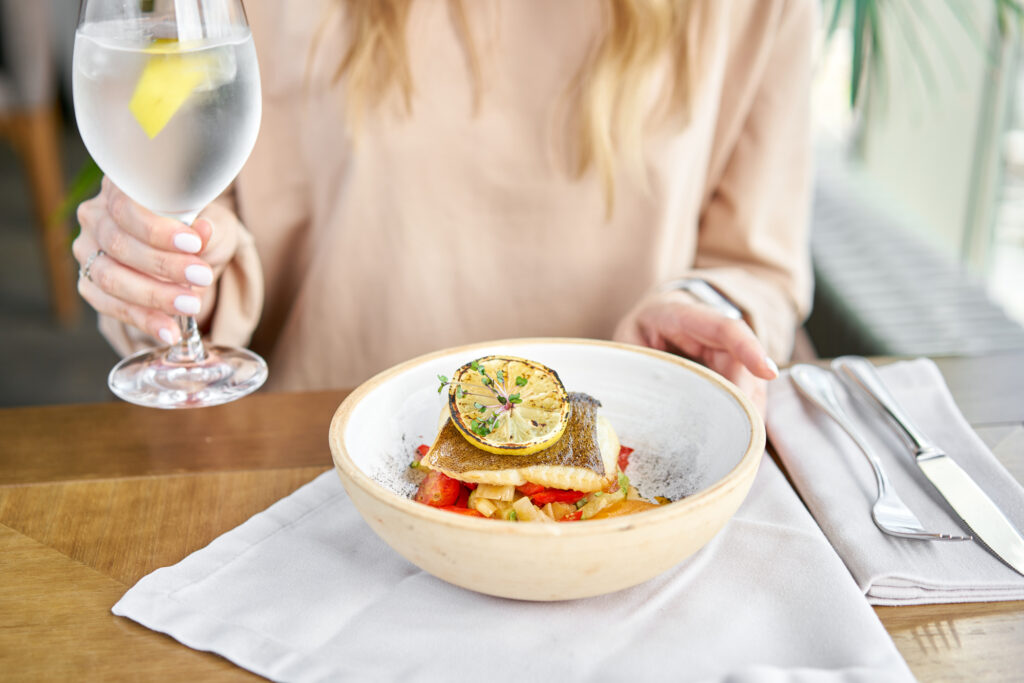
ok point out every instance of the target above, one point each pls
(626, 507)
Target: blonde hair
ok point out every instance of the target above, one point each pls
(613, 93)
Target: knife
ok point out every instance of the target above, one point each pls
(970, 503)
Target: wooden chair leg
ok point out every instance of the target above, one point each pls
(35, 136)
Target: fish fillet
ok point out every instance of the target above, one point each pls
(584, 459)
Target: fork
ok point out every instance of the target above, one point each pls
(889, 512)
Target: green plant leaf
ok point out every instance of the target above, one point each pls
(906, 19)
(833, 23)
(860, 28)
(916, 22)
(1009, 17)
(84, 185)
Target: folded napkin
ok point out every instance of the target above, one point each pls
(306, 592)
(837, 484)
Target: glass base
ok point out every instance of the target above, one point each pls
(150, 379)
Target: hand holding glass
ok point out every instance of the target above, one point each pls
(167, 100)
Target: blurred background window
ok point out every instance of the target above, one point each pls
(917, 244)
(1007, 264)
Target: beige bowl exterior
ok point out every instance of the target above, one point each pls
(547, 561)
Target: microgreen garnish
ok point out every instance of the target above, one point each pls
(483, 427)
(487, 420)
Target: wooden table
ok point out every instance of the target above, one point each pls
(94, 497)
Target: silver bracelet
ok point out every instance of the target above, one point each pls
(706, 294)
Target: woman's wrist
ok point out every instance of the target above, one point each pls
(700, 290)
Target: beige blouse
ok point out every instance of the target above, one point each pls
(450, 225)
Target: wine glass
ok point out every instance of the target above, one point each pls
(167, 100)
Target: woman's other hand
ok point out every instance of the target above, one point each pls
(143, 268)
(678, 323)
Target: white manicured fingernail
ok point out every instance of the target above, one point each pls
(771, 365)
(188, 243)
(167, 336)
(189, 305)
(199, 275)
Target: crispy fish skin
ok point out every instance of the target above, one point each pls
(583, 459)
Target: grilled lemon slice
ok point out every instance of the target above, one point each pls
(508, 406)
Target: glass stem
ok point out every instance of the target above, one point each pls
(190, 348)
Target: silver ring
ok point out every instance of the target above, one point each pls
(86, 270)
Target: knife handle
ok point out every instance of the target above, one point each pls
(861, 374)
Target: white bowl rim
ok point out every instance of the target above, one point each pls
(663, 514)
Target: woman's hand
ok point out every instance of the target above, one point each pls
(142, 268)
(676, 322)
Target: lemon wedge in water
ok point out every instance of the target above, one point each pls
(168, 80)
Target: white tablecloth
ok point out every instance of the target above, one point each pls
(304, 591)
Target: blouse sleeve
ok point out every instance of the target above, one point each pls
(753, 243)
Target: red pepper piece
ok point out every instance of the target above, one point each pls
(470, 485)
(556, 496)
(463, 501)
(438, 490)
(462, 511)
(530, 489)
(422, 450)
(572, 516)
(624, 453)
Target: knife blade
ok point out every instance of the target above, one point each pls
(968, 500)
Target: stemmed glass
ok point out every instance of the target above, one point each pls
(167, 100)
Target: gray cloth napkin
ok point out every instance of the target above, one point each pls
(306, 592)
(837, 484)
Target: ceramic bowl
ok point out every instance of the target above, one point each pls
(697, 439)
